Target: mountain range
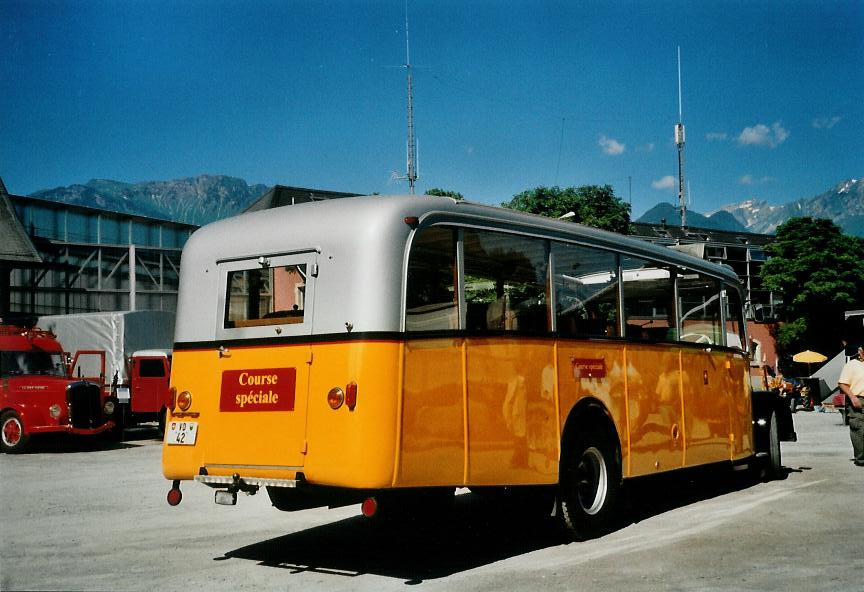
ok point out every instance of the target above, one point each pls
(194, 200)
(843, 204)
(203, 199)
(721, 220)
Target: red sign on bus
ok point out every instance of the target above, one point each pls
(588, 368)
(265, 389)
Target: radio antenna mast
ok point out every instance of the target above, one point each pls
(411, 172)
(679, 141)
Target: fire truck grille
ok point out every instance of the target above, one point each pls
(85, 404)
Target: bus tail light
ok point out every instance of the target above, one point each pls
(369, 507)
(335, 397)
(184, 400)
(351, 395)
(171, 398)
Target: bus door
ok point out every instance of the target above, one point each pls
(706, 405)
(705, 369)
(263, 368)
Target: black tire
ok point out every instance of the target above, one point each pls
(590, 484)
(773, 464)
(162, 413)
(13, 437)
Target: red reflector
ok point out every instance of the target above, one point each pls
(174, 496)
(171, 399)
(351, 395)
(369, 507)
(412, 221)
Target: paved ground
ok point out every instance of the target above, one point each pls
(95, 518)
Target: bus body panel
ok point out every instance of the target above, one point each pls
(706, 406)
(341, 447)
(354, 448)
(432, 450)
(741, 406)
(654, 408)
(236, 437)
(512, 432)
(594, 369)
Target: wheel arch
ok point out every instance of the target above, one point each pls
(764, 404)
(590, 412)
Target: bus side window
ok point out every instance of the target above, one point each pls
(699, 307)
(586, 290)
(505, 282)
(649, 300)
(431, 299)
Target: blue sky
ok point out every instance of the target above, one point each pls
(508, 95)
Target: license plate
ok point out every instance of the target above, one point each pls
(182, 433)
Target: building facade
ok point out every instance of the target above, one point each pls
(95, 260)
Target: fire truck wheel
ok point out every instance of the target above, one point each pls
(13, 438)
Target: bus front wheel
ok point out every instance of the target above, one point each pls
(590, 485)
(774, 468)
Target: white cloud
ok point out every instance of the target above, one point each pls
(751, 180)
(611, 146)
(649, 147)
(716, 136)
(826, 122)
(762, 135)
(667, 182)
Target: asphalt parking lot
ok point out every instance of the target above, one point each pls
(93, 516)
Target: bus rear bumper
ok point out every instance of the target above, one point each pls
(237, 481)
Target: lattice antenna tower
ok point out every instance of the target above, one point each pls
(679, 142)
(412, 168)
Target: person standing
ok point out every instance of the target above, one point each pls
(851, 383)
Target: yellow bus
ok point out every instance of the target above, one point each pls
(377, 349)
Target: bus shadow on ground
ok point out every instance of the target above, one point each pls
(475, 533)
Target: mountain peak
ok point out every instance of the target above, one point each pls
(844, 204)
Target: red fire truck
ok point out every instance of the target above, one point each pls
(37, 393)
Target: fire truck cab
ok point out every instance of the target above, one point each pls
(37, 393)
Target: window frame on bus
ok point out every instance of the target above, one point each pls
(553, 242)
(269, 328)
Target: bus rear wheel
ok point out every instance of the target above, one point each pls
(589, 485)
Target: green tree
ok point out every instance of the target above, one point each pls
(819, 272)
(592, 205)
(444, 193)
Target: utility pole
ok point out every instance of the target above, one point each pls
(679, 141)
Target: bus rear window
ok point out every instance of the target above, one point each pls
(265, 296)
